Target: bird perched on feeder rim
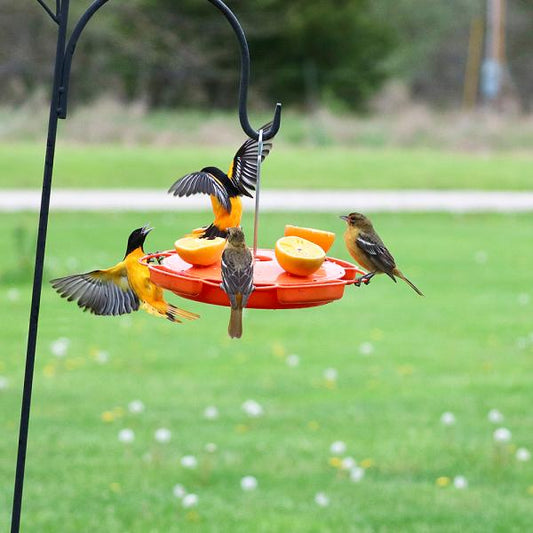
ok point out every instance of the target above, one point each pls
(237, 277)
(121, 289)
(366, 247)
(224, 189)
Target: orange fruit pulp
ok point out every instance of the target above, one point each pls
(324, 239)
(299, 256)
(201, 252)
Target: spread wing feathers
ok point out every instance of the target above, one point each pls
(237, 282)
(201, 182)
(243, 170)
(102, 292)
(377, 253)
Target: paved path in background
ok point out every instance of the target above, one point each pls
(275, 200)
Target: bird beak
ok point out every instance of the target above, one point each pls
(146, 229)
(344, 217)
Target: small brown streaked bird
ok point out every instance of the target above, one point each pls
(366, 247)
(237, 277)
(121, 289)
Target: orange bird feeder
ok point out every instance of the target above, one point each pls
(274, 288)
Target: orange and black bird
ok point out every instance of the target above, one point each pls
(237, 277)
(121, 289)
(366, 247)
(224, 189)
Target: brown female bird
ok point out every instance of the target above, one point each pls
(368, 250)
(121, 289)
(237, 278)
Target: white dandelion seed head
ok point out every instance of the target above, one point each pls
(331, 374)
(211, 447)
(189, 500)
(447, 419)
(4, 383)
(248, 483)
(338, 447)
(293, 360)
(524, 298)
(13, 294)
(495, 416)
(126, 435)
(348, 463)
(136, 407)
(59, 347)
(102, 357)
(189, 461)
(163, 435)
(211, 412)
(460, 482)
(357, 474)
(502, 436)
(521, 343)
(523, 455)
(366, 348)
(321, 499)
(179, 491)
(252, 408)
(481, 257)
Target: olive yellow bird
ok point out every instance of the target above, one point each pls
(224, 189)
(366, 247)
(121, 289)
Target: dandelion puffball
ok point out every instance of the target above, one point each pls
(252, 408)
(60, 347)
(189, 461)
(189, 500)
(135, 407)
(126, 435)
(293, 360)
(248, 483)
(331, 374)
(211, 412)
(162, 435)
(357, 474)
(502, 436)
(523, 454)
(447, 419)
(460, 482)
(321, 499)
(495, 416)
(338, 447)
(179, 491)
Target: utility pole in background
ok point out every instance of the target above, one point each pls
(493, 69)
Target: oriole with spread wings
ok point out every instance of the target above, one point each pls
(121, 289)
(224, 189)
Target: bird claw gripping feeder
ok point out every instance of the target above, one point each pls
(274, 288)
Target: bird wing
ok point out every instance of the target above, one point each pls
(243, 169)
(102, 292)
(376, 252)
(201, 182)
(237, 277)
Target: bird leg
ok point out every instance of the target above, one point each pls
(364, 279)
(156, 259)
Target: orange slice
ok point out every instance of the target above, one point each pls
(299, 256)
(324, 239)
(202, 252)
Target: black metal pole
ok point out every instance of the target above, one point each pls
(62, 17)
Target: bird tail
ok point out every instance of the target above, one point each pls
(173, 312)
(169, 311)
(235, 323)
(412, 285)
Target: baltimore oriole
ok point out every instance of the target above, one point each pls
(224, 189)
(368, 250)
(121, 289)
(237, 277)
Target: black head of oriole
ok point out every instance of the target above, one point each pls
(224, 189)
(366, 247)
(121, 289)
(237, 271)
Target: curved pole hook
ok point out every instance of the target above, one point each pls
(69, 52)
(245, 77)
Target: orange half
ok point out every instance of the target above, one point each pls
(201, 252)
(324, 239)
(299, 256)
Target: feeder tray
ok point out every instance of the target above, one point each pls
(274, 288)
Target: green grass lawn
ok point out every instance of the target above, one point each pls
(466, 347)
(287, 167)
